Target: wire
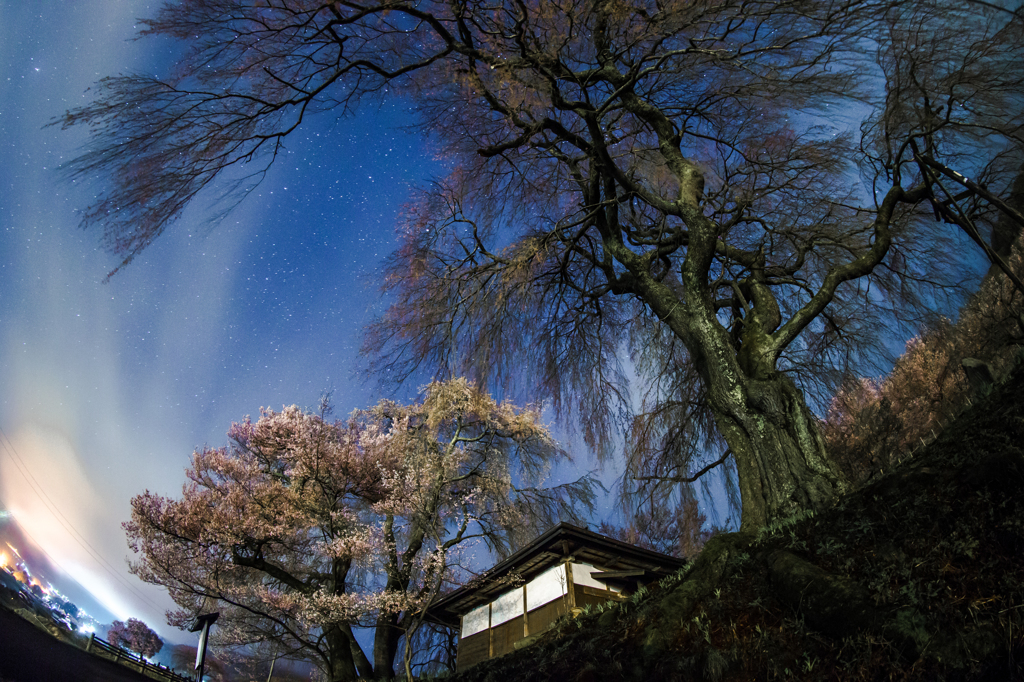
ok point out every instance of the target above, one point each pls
(12, 453)
(65, 522)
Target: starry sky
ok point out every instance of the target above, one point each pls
(106, 388)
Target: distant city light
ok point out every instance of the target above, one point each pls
(60, 607)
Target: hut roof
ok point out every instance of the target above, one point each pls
(622, 562)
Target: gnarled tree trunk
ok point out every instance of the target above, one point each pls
(781, 459)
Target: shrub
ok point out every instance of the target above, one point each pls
(871, 422)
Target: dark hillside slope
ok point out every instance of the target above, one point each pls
(29, 654)
(919, 576)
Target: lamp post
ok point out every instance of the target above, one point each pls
(202, 624)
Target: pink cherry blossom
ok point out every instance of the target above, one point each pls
(302, 530)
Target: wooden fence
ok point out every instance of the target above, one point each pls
(130, 658)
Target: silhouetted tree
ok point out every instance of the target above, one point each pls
(680, 530)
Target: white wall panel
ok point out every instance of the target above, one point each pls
(475, 621)
(581, 576)
(546, 587)
(507, 606)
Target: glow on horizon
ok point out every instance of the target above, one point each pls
(71, 506)
(105, 592)
(97, 585)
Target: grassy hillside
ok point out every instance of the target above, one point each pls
(919, 576)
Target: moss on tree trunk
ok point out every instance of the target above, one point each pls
(781, 459)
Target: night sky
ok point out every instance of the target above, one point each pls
(106, 389)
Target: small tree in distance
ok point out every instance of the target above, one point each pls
(135, 636)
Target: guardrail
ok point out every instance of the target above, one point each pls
(126, 657)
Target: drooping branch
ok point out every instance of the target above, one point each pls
(688, 479)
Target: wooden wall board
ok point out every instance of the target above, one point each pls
(504, 636)
(540, 619)
(590, 596)
(473, 649)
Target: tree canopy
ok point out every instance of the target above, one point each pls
(135, 636)
(304, 530)
(723, 198)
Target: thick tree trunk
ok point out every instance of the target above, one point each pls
(781, 459)
(342, 665)
(385, 646)
(346, 661)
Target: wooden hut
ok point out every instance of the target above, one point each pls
(560, 572)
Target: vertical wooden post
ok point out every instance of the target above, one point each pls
(526, 615)
(92, 636)
(490, 632)
(570, 586)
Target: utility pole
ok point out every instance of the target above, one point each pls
(202, 624)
